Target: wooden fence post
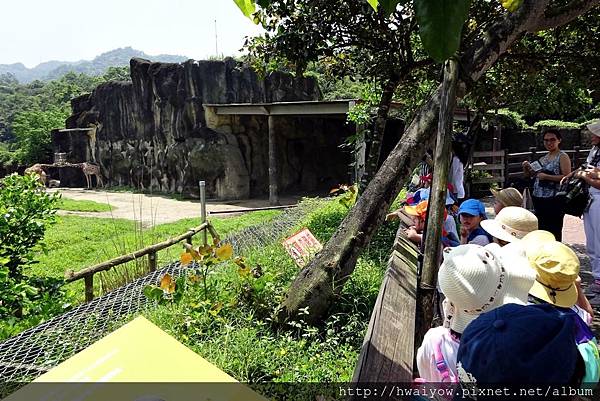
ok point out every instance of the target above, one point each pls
(437, 198)
(533, 151)
(152, 261)
(89, 287)
(506, 172)
(203, 210)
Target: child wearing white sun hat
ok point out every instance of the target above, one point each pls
(474, 279)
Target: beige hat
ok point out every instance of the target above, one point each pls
(538, 236)
(594, 128)
(512, 223)
(476, 279)
(508, 196)
(557, 268)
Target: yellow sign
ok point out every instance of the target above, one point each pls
(154, 365)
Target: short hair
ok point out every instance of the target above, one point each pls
(552, 131)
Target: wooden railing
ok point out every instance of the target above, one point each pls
(88, 273)
(507, 167)
(515, 160)
(388, 350)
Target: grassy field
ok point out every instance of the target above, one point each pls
(83, 206)
(229, 322)
(75, 242)
(230, 325)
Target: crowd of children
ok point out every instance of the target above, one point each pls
(512, 300)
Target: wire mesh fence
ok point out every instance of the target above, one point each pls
(37, 350)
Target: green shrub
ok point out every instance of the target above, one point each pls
(556, 124)
(26, 209)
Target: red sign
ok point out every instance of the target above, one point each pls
(302, 246)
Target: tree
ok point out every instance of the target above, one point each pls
(349, 38)
(553, 74)
(32, 132)
(322, 279)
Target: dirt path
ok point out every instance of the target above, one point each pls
(152, 209)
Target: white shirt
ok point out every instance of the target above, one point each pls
(426, 354)
(595, 149)
(450, 226)
(456, 178)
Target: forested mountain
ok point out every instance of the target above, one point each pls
(55, 69)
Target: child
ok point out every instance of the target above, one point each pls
(510, 224)
(506, 197)
(557, 268)
(471, 213)
(518, 347)
(474, 280)
(415, 232)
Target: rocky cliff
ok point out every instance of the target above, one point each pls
(152, 133)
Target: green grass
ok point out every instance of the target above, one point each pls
(232, 328)
(75, 242)
(83, 205)
(230, 325)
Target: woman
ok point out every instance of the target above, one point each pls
(591, 217)
(551, 169)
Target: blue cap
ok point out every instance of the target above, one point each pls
(472, 207)
(518, 344)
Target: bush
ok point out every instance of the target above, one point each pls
(556, 124)
(26, 209)
(25, 212)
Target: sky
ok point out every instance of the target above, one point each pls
(34, 31)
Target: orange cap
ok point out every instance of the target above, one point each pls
(419, 210)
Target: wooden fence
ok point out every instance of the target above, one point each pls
(505, 168)
(388, 350)
(88, 273)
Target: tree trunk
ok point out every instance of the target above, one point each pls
(437, 202)
(322, 280)
(383, 110)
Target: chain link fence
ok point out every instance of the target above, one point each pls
(37, 350)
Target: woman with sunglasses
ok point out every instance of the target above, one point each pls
(548, 171)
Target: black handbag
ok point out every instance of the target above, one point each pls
(577, 197)
(576, 192)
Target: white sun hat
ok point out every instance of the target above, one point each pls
(594, 128)
(477, 279)
(511, 223)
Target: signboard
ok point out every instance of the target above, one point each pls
(139, 361)
(302, 246)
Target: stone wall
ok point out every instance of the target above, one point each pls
(152, 133)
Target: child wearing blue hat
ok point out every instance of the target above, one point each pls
(471, 213)
(519, 349)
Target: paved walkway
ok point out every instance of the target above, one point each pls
(153, 209)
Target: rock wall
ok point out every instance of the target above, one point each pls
(152, 133)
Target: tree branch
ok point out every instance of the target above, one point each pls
(561, 15)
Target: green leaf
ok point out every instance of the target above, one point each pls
(440, 24)
(247, 7)
(373, 3)
(511, 5)
(153, 293)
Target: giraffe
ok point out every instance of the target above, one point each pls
(37, 170)
(89, 170)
